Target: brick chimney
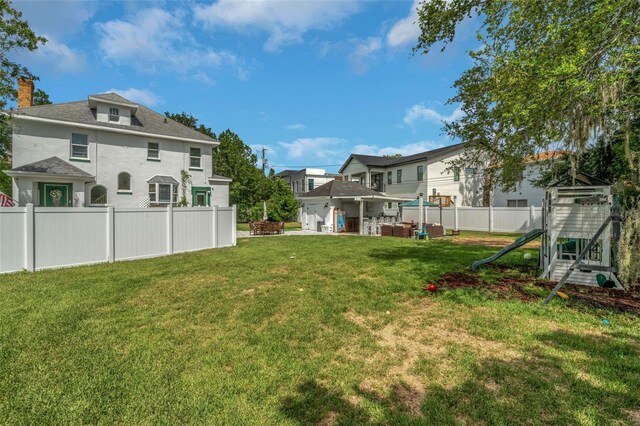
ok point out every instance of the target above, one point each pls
(25, 93)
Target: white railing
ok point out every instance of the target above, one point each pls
(487, 219)
(34, 238)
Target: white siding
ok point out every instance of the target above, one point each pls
(63, 239)
(225, 222)
(496, 219)
(12, 238)
(192, 229)
(150, 227)
(78, 236)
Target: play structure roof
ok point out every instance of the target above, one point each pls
(582, 179)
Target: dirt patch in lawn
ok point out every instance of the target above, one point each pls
(412, 339)
(489, 241)
(524, 288)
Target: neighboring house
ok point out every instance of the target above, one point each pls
(108, 150)
(425, 173)
(305, 180)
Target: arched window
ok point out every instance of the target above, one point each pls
(124, 182)
(98, 195)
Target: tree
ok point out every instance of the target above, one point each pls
(249, 188)
(15, 35)
(40, 97)
(190, 121)
(549, 75)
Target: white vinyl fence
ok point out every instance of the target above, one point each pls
(35, 238)
(488, 219)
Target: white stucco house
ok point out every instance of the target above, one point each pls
(425, 173)
(107, 150)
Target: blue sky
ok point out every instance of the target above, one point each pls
(312, 81)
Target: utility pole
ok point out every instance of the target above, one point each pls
(264, 160)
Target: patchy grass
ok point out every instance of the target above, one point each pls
(342, 333)
(288, 226)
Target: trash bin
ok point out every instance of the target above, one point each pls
(319, 225)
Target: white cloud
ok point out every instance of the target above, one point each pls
(297, 126)
(408, 149)
(56, 56)
(361, 56)
(155, 38)
(285, 21)
(56, 18)
(142, 96)
(419, 113)
(317, 148)
(406, 30)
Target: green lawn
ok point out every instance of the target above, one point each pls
(300, 330)
(288, 226)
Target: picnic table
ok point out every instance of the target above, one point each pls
(266, 228)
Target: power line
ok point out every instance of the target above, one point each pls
(305, 166)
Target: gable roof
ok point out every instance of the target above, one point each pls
(378, 161)
(144, 121)
(581, 179)
(50, 166)
(286, 173)
(341, 188)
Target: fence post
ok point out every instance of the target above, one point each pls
(110, 234)
(170, 229)
(491, 218)
(29, 236)
(215, 227)
(455, 215)
(532, 217)
(234, 220)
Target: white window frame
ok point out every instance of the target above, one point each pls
(83, 145)
(121, 190)
(106, 194)
(156, 150)
(518, 202)
(154, 197)
(199, 157)
(114, 114)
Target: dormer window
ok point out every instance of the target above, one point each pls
(114, 115)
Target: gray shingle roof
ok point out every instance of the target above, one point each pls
(286, 173)
(52, 166)
(163, 179)
(377, 161)
(145, 120)
(114, 97)
(341, 188)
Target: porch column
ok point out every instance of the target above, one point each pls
(361, 224)
(420, 210)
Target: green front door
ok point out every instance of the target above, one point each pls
(55, 194)
(200, 196)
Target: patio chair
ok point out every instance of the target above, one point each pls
(421, 234)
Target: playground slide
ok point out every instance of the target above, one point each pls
(529, 236)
